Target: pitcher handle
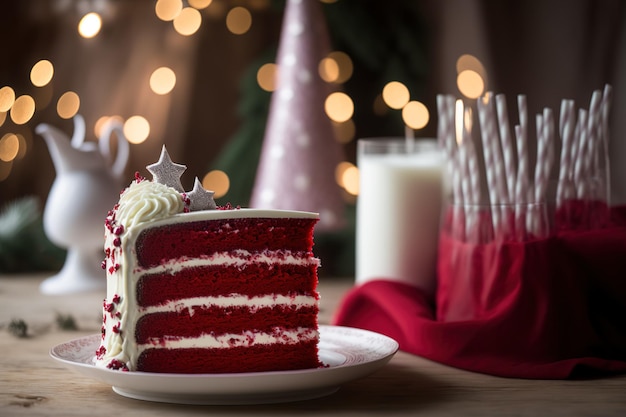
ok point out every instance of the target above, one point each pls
(78, 137)
(123, 148)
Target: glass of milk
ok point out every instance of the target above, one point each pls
(398, 210)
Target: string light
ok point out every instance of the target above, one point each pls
(41, 73)
(471, 76)
(396, 95)
(347, 176)
(98, 128)
(266, 76)
(23, 109)
(238, 20)
(188, 21)
(470, 84)
(68, 105)
(136, 129)
(328, 69)
(344, 62)
(162, 80)
(7, 98)
(216, 181)
(168, 10)
(339, 107)
(23, 146)
(90, 25)
(200, 4)
(415, 115)
(470, 62)
(9, 147)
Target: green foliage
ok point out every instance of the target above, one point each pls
(18, 328)
(66, 322)
(23, 243)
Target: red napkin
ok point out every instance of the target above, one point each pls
(549, 308)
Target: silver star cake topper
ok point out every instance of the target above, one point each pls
(164, 171)
(200, 198)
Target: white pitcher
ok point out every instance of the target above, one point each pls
(87, 185)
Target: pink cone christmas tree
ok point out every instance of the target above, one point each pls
(297, 164)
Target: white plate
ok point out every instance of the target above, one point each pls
(348, 353)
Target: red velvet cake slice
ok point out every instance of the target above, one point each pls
(211, 290)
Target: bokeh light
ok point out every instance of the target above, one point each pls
(216, 181)
(9, 147)
(266, 76)
(136, 129)
(68, 105)
(339, 107)
(23, 109)
(340, 169)
(168, 10)
(238, 20)
(98, 128)
(328, 69)
(90, 25)
(162, 80)
(7, 98)
(396, 95)
(41, 73)
(470, 84)
(200, 4)
(188, 21)
(344, 62)
(415, 115)
(344, 132)
(470, 62)
(23, 146)
(347, 176)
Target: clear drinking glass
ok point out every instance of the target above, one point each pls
(398, 210)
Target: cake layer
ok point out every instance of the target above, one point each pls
(216, 280)
(258, 358)
(213, 321)
(196, 239)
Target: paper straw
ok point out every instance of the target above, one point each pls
(492, 186)
(582, 154)
(594, 132)
(540, 163)
(465, 173)
(607, 96)
(522, 147)
(474, 170)
(507, 145)
(457, 223)
(566, 128)
(548, 135)
(445, 134)
(494, 143)
(521, 186)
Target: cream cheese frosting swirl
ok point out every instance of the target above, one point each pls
(145, 201)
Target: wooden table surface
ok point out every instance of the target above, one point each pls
(33, 384)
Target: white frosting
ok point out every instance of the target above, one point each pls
(146, 201)
(147, 204)
(297, 301)
(231, 340)
(237, 258)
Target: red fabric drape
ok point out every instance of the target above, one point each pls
(548, 308)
